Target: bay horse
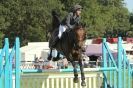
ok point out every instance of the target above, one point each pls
(66, 46)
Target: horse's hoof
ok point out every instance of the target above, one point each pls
(83, 83)
(75, 80)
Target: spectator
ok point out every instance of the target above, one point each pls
(93, 60)
(36, 63)
(63, 63)
(41, 62)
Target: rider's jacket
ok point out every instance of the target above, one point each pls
(70, 20)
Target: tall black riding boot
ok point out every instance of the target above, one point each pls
(54, 42)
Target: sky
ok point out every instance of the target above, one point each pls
(129, 5)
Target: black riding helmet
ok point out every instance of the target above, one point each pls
(77, 7)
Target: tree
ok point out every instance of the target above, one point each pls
(30, 20)
(1, 39)
(130, 31)
(104, 18)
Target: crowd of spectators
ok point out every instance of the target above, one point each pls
(62, 63)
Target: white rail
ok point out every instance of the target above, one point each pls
(93, 80)
(66, 81)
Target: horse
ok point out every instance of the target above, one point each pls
(66, 46)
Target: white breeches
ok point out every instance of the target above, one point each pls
(62, 29)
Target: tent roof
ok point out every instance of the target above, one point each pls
(95, 49)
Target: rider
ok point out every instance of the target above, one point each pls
(69, 22)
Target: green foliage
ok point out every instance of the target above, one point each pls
(130, 31)
(31, 19)
(104, 18)
(28, 19)
(1, 38)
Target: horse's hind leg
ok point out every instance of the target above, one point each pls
(75, 72)
(50, 55)
(82, 73)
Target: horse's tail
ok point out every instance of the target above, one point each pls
(55, 19)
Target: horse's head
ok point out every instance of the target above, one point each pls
(80, 34)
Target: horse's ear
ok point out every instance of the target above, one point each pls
(81, 24)
(54, 12)
(84, 24)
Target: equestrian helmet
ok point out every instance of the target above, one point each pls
(77, 7)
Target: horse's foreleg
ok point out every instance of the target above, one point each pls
(50, 55)
(82, 73)
(75, 72)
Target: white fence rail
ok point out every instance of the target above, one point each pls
(93, 80)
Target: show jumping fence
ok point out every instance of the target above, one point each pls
(60, 80)
(116, 72)
(122, 76)
(6, 61)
